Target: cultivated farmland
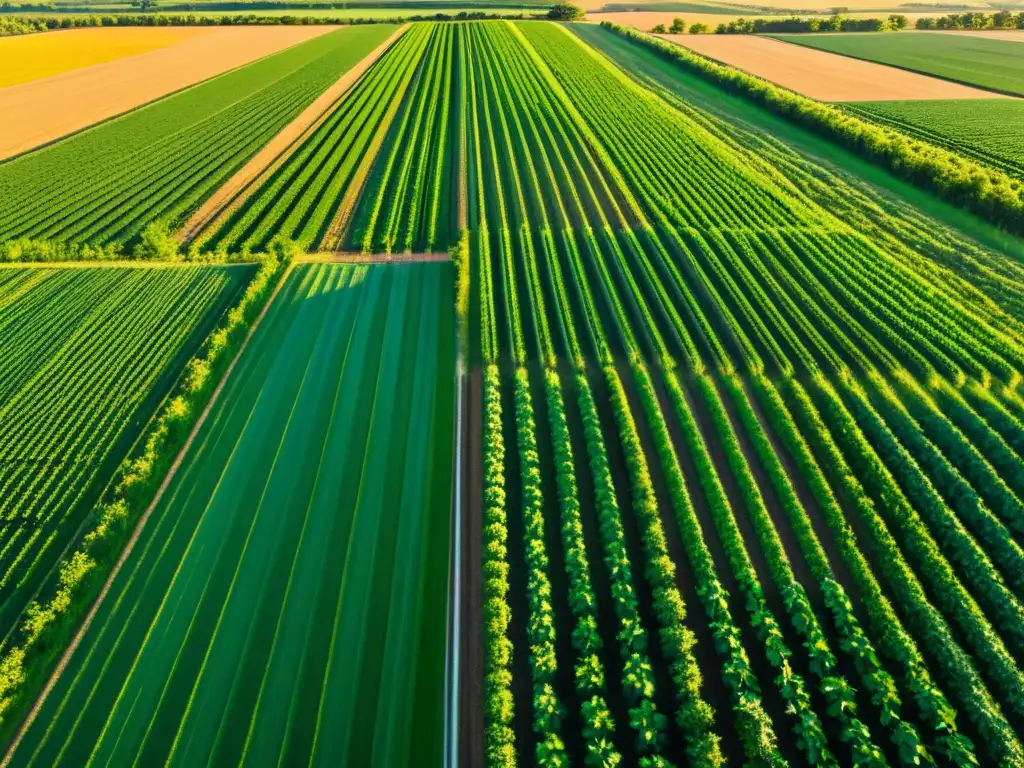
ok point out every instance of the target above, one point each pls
(162, 161)
(88, 355)
(737, 474)
(33, 57)
(989, 132)
(286, 603)
(984, 62)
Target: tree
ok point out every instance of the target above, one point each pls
(699, 29)
(897, 21)
(678, 26)
(144, 5)
(658, 29)
(566, 12)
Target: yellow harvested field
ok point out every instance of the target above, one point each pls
(56, 106)
(821, 75)
(32, 57)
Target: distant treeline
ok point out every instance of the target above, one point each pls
(893, 23)
(987, 192)
(252, 6)
(27, 25)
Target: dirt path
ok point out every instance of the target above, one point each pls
(472, 656)
(53, 107)
(248, 179)
(355, 257)
(823, 75)
(139, 527)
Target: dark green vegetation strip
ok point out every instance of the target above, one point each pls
(994, 64)
(88, 354)
(990, 131)
(160, 162)
(282, 603)
(788, 408)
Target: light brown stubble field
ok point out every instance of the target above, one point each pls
(822, 75)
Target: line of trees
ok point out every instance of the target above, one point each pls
(840, 23)
(16, 25)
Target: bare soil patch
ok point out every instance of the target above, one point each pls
(821, 75)
(55, 106)
(238, 188)
(1013, 35)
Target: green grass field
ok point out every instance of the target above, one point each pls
(994, 64)
(88, 353)
(287, 599)
(987, 130)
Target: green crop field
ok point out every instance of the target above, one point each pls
(312, 198)
(687, 436)
(986, 130)
(163, 160)
(993, 64)
(282, 602)
(88, 353)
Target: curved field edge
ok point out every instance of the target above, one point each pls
(27, 659)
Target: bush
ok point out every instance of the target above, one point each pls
(699, 29)
(566, 12)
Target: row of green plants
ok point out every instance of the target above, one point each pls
(548, 710)
(51, 620)
(986, 192)
(411, 173)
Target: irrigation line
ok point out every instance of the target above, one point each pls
(452, 661)
(126, 552)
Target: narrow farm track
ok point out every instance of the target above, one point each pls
(161, 162)
(236, 190)
(77, 387)
(227, 590)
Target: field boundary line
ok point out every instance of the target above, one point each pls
(139, 527)
(453, 656)
(244, 182)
